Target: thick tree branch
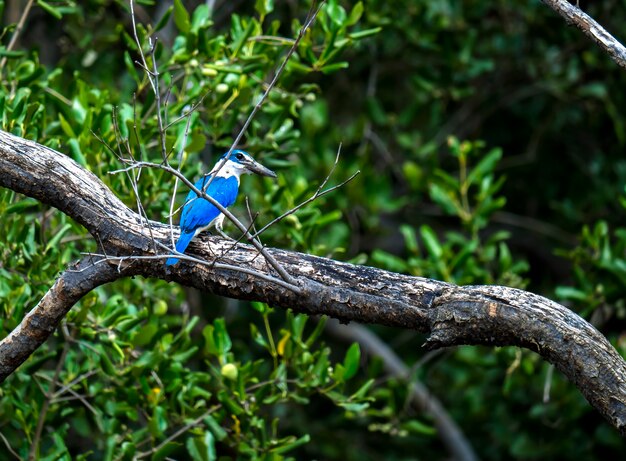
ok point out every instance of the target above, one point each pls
(574, 15)
(489, 315)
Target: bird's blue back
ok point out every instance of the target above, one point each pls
(198, 213)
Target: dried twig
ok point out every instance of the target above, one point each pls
(9, 448)
(318, 193)
(16, 33)
(308, 22)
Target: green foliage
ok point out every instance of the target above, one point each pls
(481, 153)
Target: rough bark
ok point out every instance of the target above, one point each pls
(490, 315)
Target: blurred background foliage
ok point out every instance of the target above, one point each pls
(490, 139)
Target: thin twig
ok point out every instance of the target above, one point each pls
(6, 443)
(119, 260)
(193, 108)
(318, 193)
(139, 47)
(74, 382)
(178, 167)
(308, 22)
(34, 447)
(16, 34)
(153, 78)
(178, 432)
(76, 396)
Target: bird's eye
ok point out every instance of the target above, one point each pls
(239, 156)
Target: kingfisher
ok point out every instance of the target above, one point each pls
(223, 185)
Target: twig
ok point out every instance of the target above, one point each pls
(34, 447)
(574, 15)
(548, 384)
(76, 395)
(308, 22)
(178, 432)
(178, 167)
(121, 259)
(153, 78)
(6, 443)
(16, 34)
(73, 382)
(318, 193)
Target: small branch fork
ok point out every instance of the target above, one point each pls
(152, 74)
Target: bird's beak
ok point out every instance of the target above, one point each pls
(256, 167)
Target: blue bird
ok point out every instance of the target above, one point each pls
(199, 214)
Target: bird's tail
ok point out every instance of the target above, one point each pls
(181, 246)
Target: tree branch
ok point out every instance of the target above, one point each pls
(490, 315)
(43, 319)
(574, 15)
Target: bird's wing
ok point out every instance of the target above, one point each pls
(199, 213)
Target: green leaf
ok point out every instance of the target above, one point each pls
(75, 151)
(363, 390)
(264, 7)
(50, 9)
(355, 14)
(181, 17)
(201, 18)
(409, 238)
(445, 198)
(485, 166)
(164, 19)
(22, 205)
(418, 427)
(158, 422)
(54, 241)
(66, 127)
(145, 335)
(202, 448)
(166, 450)
(364, 33)
(330, 68)
(389, 261)
(291, 443)
(217, 340)
(354, 407)
(12, 53)
(563, 292)
(336, 12)
(431, 242)
(217, 430)
(352, 361)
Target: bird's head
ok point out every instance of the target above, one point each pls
(239, 163)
